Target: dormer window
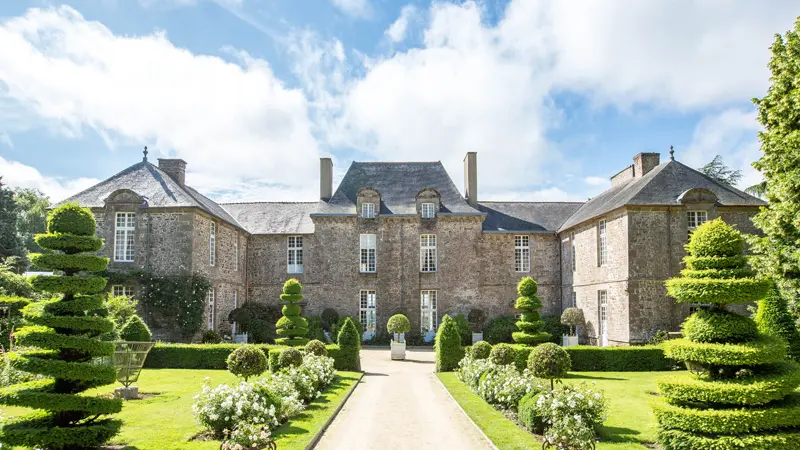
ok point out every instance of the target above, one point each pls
(428, 210)
(368, 210)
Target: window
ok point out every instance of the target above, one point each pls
(427, 252)
(602, 301)
(522, 254)
(696, 218)
(294, 259)
(119, 290)
(368, 253)
(235, 305)
(367, 311)
(428, 308)
(212, 244)
(428, 210)
(124, 237)
(574, 300)
(236, 253)
(572, 252)
(368, 210)
(602, 250)
(211, 306)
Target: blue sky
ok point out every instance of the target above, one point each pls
(554, 96)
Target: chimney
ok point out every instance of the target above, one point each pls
(645, 162)
(325, 179)
(471, 178)
(175, 168)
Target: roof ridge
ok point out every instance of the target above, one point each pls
(397, 162)
(271, 203)
(537, 202)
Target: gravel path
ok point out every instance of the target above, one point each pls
(400, 405)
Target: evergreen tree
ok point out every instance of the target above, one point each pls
(718, 170)
(531, 324)
(10, 243)
(773, 317)
(292, 328)
(778, 251)
(31, 217)
(68, 350)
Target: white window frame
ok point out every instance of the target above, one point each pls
(212, 244)
(120, 290)
(294, 254)
(125, 237)
(368, 210)
(428, 255)
(602, 243)
(368, 253)
(522, 253)
(573, 253)
(428, 210)
(428, 322)
(235, 305)
(693, 218)
(367, 311)
(602, 311)
(211, 306)
(236, 252)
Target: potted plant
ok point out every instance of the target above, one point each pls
(572, 317)
(398, 326)
(476, 318)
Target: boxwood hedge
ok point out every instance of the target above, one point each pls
(213, 356)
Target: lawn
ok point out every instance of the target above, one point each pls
(630, 424)
(165, 421)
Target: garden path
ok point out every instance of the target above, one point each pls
(400, 405)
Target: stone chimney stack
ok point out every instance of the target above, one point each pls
(325, 179)
(175, 168)
(471, 178)
(645, 162)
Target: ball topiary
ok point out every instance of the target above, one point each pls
(247, 361)
(573, 318)
(68, 351)
(448, 345)
(316, 347)
(292, 328)
(549, 361)
(481, 350)
(135, 330)
(290, 357)
(531, 326)
(398, 323)
(502, 354)
(715, 238)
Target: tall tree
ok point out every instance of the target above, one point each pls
(10, 244)
(778, 251)
(718, 170)
(31, 216)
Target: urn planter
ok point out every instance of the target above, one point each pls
(398, 350)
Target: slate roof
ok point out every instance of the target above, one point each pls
(274, 217)
(529, 217)
(661, 186)
(159, 189)
(398, 184)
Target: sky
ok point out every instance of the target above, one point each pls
(555, 96)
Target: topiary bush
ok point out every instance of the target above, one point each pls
(464, 329)
(210, 337)
(549, 361)
(290, 357)
(292, 328)
(316, 347)
(500, 329)
(773, 318)
(573, 318)
(399, 324)
(481, 350)
(247, 361)
(530, 325)
(67, 349)
(135, 330)
(735, 369)
(529, 414)
(448, 345)
(349, 339)
(502, 354)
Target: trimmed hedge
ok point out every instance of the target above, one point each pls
(69, 285)
(763, 350)
(714, 290)
(730, 421)
(714, 262)
(40, 393)
(527, 412)
(214, 356)
(619, 359)
(719, 326)
(68, 242)
(61, 261)
(682, 440)
(47, 338)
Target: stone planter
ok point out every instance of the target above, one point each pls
(477, 337)
(398, 350)
(569, 341)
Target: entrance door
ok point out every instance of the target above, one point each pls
(602, 300)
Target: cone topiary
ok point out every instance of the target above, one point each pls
(448, 345)
(773, 317)
(64, 333)
(739, 377)
(531, 325)
(135, 330)
(292, 328)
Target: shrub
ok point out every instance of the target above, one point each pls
(398, 323)
(464, 329)
(290, 356)
(247, 361)
(135, 330)
(14, 285)
(210, 337)
(309, 379)
(573, 318)
(505, 386)
(502, 354)
(315, 330)
(470, 370)
(549, 361)
(193, 356)
(481, 350)
(528, 412)
(340, 324)
(317, 348)
(719, 326)
(717, 239)
(329, 318)
(499, 329)
(274, 359)
(658, 337)
(554, 327)
(773, 318)
(292, 328)
(120, 308)
(225, 407)
(531, 325)
(349, 340)
(261, 332)
(572, 415)
(476, 318)
(619, 359)
(247, 435)
(448, 345)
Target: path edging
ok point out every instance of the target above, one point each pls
(328, 423)
(494, 447)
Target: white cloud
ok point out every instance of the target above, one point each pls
(16, 174)
(360, 9)
(6, 139)
(549, 194)
(233, 121)
(597, 181)
(398, 29)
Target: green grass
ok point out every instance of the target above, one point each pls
(629, 426)
(165, 421)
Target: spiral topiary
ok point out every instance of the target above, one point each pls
(291, 326)
(65, 334)
(531, 325)
(739, 376)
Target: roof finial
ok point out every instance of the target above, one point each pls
(145, 154)
(671, 153)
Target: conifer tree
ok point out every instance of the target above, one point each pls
(292, 328)
(773, 317)
(531, 324)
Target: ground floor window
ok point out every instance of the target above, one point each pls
(428, 322)
(602, 302)
(211, 306)
(235, 305)
(367, 311)
(119, 290)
